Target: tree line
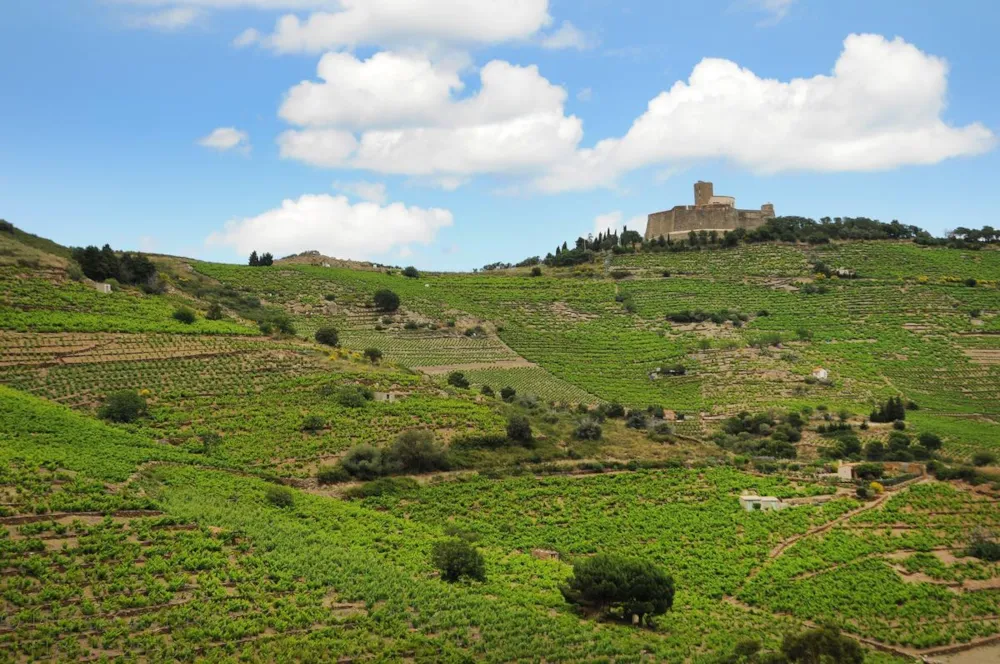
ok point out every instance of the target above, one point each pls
(104, 263)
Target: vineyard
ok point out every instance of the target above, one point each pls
(160, 537)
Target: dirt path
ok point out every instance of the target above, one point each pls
(783, 546)
(439, 369)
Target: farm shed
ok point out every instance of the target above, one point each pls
(102, 288)
(760, 503)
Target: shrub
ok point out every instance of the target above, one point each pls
(74, 272)
(364, 462)
(455, 559)
(384, 486)
(214, 312)
(327, 336)
(508, 393)
(536, 271)
(486, 391)
(331, 475)
(984, 548)
(280, 496)
(984, 459)
(588, 429)
(823, 644)
(931, 441)
(970, 282)
(330, 297)
(416, 451)
(411, 272)
(519, 429)
(386, 300)
(620, 585)
(636, 420)
(869, 471)
(354, 396)
(373, 355)
(899, 425)
(184, 315)
(458, 379)
(411, 325)
(313, 423)
(614, 409)
(123, 406)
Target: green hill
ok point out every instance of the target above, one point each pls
(271, 502)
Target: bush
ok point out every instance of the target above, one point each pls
(984, 548)
(386, 300)
(636, 420)
(373, 355)
(416, 451)
(384, 486)
(620, 585)
(214, 312)
(486, 391)
(823, 644)
(536, 271)
(588, 429)
(508, 393)
(280, 496)
(930, 440)
(354, 396)
(899, 425)
(411, 272)
(123, 406)
(519, 429)
(411, 325)
(984, 459)
(313, 423)
(331, 475)
(184, 315)
(74, 272)
(458, 379)
(364, 462)
(327, 336)
(455, 559)
(614, 409)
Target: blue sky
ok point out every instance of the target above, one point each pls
(453, 133)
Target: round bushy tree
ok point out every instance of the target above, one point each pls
(455, 558)
(416, 451)
(184, 315)
(364, 462)
(458, 379)
(588, 429)
(411, 272)
(328, 336)
(621, 585)
(386, 300)
(519, 429)
(279, 496)
(373, 355)
(123, 406)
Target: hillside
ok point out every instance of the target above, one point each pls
(264, 508)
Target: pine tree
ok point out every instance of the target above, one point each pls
(254, 261)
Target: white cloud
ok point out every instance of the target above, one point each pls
(879, 109)
(412, 123)
(396, 22)
(333, 226)
(227, 138)
(167, 20)
(776, 10)
(615, 221)
(373, 192)
(568, 36)
(248, 37)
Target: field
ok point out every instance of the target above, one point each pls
(158, 539)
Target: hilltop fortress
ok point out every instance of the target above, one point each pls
(709, 212)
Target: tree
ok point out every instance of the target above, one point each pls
(373, 355)
(458, 379)
(486, 391)
(327, 336)
(254, 261)
(823, 645)
(266, 259)
(620, 585)
(536, 271)
(386, 300)
(280, 496)
(313, 423)
(984, 459)
(411, 272)
(184, 315)
(416, 451)
(455, 558)
(364, 462)
(588, 429)
(123, 406)
(519, 429)
(508, 393)
(214, 311)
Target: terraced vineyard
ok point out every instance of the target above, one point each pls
(233, 518)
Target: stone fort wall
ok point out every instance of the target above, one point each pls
(710, 212)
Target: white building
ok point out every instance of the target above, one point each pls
(760, 503)
(102, 288)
